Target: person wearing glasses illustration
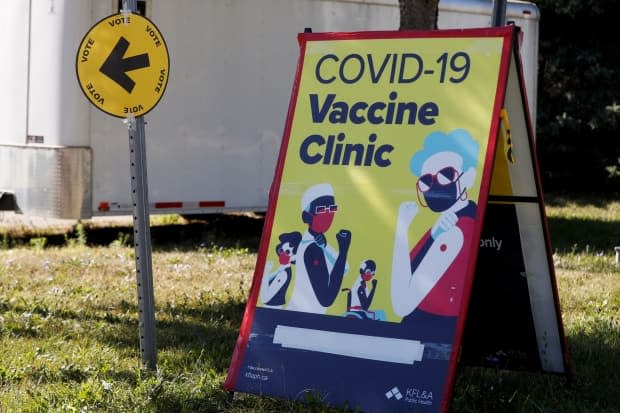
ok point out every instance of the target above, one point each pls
(275, 284)
(428, 280)
(320, 269)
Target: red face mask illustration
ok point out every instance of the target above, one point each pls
(367, 276)
(285, 254)
(322, 222)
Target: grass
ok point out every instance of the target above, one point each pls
(69, 325)
(581, 225)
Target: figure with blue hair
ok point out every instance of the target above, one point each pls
(428, 279)
(320, 268)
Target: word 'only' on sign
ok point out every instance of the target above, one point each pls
(122, 65)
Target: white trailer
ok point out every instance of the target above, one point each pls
(213, 140)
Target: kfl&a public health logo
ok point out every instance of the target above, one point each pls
(412, 395)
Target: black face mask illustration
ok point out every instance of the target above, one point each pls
(441, 190)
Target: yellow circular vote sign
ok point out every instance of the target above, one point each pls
(122, 65)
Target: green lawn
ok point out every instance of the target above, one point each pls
(69, 332)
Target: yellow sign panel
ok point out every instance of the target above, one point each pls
(368, 115)
(123, 66)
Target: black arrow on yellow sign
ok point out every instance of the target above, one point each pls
(116, 65)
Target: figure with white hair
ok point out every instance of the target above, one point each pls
(428, 279)
(320, 268)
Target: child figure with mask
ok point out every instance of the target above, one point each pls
(428, 279)
(361, 294)
(275, 284)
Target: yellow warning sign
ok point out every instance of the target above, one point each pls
(122, 65)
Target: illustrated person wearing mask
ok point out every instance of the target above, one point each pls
(275, 284)
(428, 280)
(320, 269)
(362, 292)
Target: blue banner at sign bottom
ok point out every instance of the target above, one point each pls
(334, 360)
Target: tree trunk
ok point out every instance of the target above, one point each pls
(418, 14)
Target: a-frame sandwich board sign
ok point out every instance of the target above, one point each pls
(369, 249)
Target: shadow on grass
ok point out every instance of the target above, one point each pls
(593, 388)
(226, 231)
(596, 358)
(218, 230)
(599, 200)
(241, 231)
(201, 336)
(579, 234)
(206, 336)
(207, 332)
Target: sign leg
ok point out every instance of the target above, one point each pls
(142, 242)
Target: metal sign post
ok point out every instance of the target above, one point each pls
(142, 241)
(499, 13)
(142, 233)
